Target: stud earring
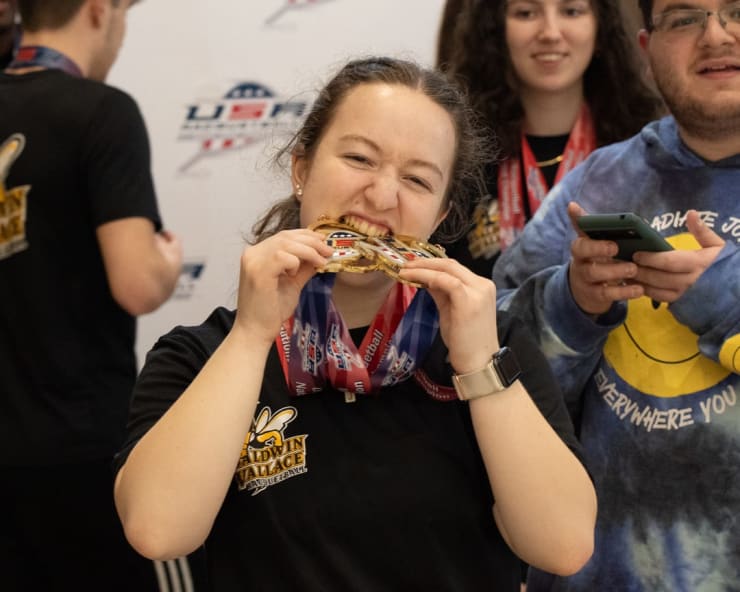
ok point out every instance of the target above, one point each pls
(298, 191)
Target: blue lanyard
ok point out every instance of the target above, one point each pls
(34, 56)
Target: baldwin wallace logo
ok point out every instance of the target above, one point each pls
(268, 456)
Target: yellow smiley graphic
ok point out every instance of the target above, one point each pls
(656, 354)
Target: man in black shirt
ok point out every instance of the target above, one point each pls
(82, 253)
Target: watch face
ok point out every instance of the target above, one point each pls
(507, 366)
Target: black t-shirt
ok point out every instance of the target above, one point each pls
(66, 347)
(6, 58)
(385, 493)
(485, 219)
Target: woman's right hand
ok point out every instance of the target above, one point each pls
(272, 275)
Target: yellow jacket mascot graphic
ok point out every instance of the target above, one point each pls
(12, 201)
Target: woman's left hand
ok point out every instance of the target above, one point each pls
(467, 309)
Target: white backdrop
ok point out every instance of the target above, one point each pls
(220, 85)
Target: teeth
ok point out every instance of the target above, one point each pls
(549, 57)
(365, 227)
(720, 68)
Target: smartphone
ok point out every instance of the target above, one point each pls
(628, 230)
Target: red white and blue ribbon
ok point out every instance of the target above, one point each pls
(315, 346)
(39, 56)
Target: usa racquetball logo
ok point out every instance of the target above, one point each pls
(248, 113)
(191, 273)
(268, 455)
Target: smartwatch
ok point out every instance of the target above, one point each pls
(499, 374)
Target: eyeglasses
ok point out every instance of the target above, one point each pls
(694, 20)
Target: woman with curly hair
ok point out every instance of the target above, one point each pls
(553, 80)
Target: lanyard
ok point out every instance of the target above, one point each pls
(315, 346)
(34, 56)
(581, 143)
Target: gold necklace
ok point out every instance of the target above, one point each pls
(552, 161)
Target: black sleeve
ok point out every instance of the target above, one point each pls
(170, 367)
(117, 162)
(538, 379)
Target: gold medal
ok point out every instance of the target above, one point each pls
(356, 252)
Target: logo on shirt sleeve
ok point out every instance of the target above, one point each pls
(13, 203)
(269, 456)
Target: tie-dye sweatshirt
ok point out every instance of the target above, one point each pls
(654, 390)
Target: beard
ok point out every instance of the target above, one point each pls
(708, 118)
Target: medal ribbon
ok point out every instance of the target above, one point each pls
(315, 346)
(34, 56)
(581, 143)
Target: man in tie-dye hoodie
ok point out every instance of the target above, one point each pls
(648, 351)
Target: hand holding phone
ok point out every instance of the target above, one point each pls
(628, 230)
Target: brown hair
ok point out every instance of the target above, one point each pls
(621, 102)
(452, 12)
(472, 148)
(646, 8)
(37, 15)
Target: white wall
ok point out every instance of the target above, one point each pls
(181, 57)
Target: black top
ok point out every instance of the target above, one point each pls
(66, 347)
(544, 148)
(386, 493)
(6, 58)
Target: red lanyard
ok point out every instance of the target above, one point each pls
(315, 346)
(581, 143)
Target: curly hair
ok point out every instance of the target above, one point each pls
(621, 103)
(473, 147)
(453, 10)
